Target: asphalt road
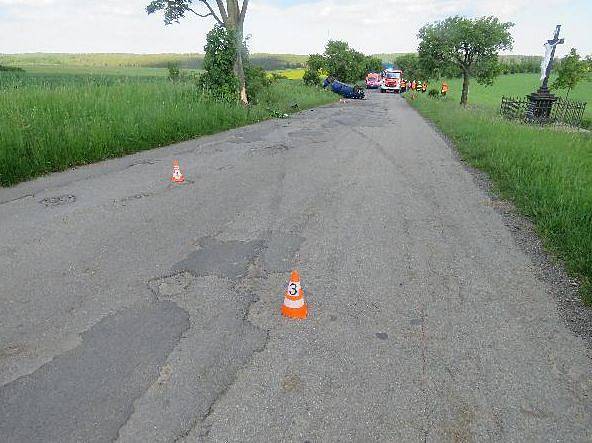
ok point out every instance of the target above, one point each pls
(136, 310)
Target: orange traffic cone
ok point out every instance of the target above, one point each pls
(177, 174)
(294, 305)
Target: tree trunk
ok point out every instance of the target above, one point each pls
(239, 69)
(465, 89)
(235, 23)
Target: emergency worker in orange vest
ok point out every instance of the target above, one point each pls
(413, 84)
(403, 85)
(424, 87)
(444, 89)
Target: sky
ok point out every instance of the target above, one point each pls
(280, 26)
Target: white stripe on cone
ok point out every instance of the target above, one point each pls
(293, 304)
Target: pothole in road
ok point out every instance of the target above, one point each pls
(59, 200)
(291, 383)
(228, 259)
(271, 149)
(278, 148)
(231, 259)
(130, 198)
(171, 287)
(362, 121)
(142, 163)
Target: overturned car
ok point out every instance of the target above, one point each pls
(345, 90)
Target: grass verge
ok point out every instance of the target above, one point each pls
(51, 122)
(547, 173)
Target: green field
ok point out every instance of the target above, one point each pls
(546, 172)
(52, 119)
(515, 85)
(65, 70)
(186, 61)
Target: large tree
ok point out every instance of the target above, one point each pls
(469, 45)
(342, 62)
(231, 16)
(409, 64)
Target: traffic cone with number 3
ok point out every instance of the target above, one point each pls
(294, 305)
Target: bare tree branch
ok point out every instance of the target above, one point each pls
(243, 11)
(202, 15)
(212, 12)
(222, 10)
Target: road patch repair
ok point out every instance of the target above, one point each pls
(119, 358)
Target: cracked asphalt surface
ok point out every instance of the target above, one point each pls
(136, 310)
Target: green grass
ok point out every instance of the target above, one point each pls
(514, 85)
(52, 121)
(547, 173)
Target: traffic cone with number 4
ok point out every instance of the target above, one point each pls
(294, 305)
(177, 174)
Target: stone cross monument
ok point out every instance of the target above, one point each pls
(547, 63)
(542, 101)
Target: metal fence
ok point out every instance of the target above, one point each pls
(560, 112)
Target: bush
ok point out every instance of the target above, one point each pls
(174, 72)
(434, 93)
(219, 80)
(311, 77)
(257, 81)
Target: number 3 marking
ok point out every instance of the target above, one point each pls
(293, 289)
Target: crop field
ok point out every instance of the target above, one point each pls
(291, 74)
(546, 172)
(52, 119)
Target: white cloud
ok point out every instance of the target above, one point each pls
(369, 25)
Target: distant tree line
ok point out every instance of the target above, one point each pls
(520, 65)
(10, 69)
(508, 64)
(516, 64)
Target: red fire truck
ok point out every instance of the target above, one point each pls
(391, 80)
